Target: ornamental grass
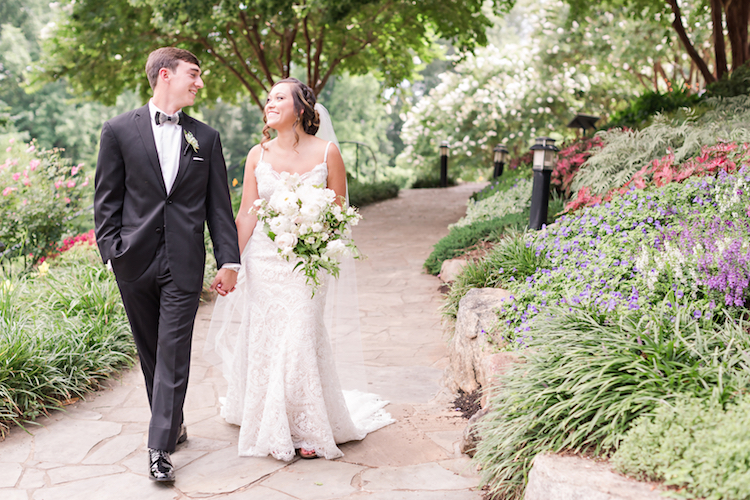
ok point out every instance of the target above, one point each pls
(588, 375)
(62, 331)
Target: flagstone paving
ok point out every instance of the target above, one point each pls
(96, 449)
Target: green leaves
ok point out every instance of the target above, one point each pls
(60, 334)
(586, 378)
(246, 47)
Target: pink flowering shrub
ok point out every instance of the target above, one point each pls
(39, 192)
(570, 158)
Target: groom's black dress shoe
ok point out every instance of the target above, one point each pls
(160, 465)
(182, 436)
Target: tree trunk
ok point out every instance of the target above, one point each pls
(738, 12)
(680, 29)
(720, 50)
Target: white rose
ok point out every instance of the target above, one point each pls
(336, 249)
(285, 241)
(317, 227)
(279, 225)
(310, 212)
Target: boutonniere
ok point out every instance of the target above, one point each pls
(190, 138)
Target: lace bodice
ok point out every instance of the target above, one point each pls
(269, 179)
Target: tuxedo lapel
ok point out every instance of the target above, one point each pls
(186, 150)
(143, 122)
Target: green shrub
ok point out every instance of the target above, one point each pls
(644, 107)
(62, 331)
(515, 199)
(732, 84)
(510, 260)
(503, 183)
(587, 377)
(361, 194)
(431, 181)
(460, 239)
(696, 445)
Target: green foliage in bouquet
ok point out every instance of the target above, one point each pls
(39, 192)
(698, 446)
(587, 376)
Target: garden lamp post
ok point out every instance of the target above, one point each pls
(444, 147)
(545, 152)
(501, 156)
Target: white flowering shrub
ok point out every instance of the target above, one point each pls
(531, 82)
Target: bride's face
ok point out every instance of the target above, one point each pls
(279, 108)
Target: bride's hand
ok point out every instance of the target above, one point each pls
(224, 281)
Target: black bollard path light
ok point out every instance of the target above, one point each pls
(501, 156)
(545, 152)
(444, 147)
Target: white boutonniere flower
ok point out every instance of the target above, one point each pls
(190, 138)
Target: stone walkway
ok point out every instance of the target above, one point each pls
(96, 449)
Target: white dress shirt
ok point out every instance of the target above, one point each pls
(168, 138)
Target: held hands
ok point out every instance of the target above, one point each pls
(224, 281)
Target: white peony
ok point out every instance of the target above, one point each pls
(285, 202)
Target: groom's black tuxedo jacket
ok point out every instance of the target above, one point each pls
(133, 211)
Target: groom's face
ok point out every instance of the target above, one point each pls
(184, 83)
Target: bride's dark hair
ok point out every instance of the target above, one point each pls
(304, 107)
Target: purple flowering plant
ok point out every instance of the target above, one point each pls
(684, 245)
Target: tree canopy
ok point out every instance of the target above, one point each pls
(101, 46)
(732, 15)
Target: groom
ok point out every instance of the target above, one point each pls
(160, 175)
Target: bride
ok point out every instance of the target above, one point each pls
(270, 336)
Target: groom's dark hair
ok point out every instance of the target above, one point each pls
(167, 57)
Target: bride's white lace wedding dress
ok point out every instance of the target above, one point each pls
(283, 388)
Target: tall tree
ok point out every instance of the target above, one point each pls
(730, 15)
(101, 45)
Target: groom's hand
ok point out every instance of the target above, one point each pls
(224, 281)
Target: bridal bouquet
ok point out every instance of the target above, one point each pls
(309, 227)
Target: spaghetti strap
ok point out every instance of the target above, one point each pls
(325, 156)
(262, 150)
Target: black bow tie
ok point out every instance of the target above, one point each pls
(164, 118)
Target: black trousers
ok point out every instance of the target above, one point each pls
(162, 317)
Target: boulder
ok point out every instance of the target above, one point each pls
(450, 269)
(470, 437)
(555, 477)
(471, 342)
(490, 367)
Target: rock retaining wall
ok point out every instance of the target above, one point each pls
(555, 477)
